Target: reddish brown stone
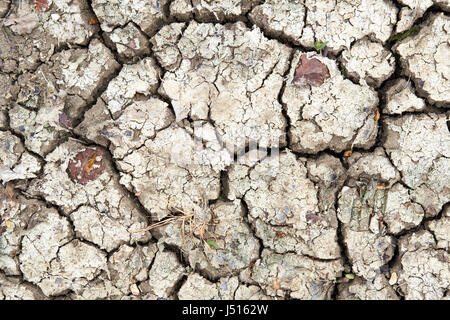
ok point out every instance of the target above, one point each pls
(310, 71)
(86, 166)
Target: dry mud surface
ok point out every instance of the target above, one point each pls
(273, 167)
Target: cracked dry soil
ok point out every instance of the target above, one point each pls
(274, 170)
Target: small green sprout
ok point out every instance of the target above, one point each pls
(212, 244)
(350, 276)
(404, 35)
(319, 45)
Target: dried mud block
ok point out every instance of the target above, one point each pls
(100, 288)
(339, 23)
(400, 97)
(129, 266)
(163, 277)
(41, 245)
(4, 7)
(424, 57)
(374, 166)
(56, 94)
(101, 200)
(225, 245)
(285, 218)
(236, 84)
(414, 9)
(9, 94)
(93, 123)
(14, 289)
(138, 123)
(300, 277)
(75, 264)
(148, 15)
(15, 162)
(198, 288)
(16, 216)
(441, 231)
(422, 269)
(131, 44)
(35, 33)
(373, 198)
(336, 115)
(368, 61)
(361, 289)
(418, 146)
(141, 78)
(211, 10)
(167, 169)
(285, 18)
(165, 45)
(368, 252)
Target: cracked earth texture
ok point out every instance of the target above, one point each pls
(273, 169)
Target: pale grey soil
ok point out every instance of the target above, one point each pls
(277, 171)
